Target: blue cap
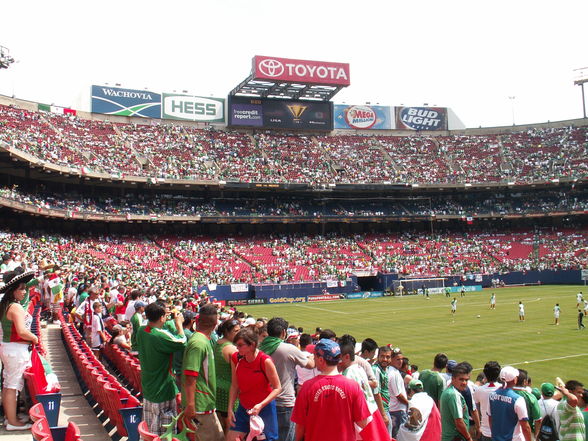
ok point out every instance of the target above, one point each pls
(450, 365)
(327, 349)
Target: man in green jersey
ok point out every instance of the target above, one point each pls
(432, 379)
(156, 346)
(571, 420)
(136, 323)
(454, 411)
(199, 378)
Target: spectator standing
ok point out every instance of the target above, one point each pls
(136, 322)
(433, 381)
(397, 391)
(223, 351)
(454, 411)
(98, 333)
(285, 357)
(481, 397)
(85, 311)
(531, 402)
(199, 376)
(424, 420)
(189, 318)
(130, 309)
(156, 346)
(329, 403)
(380, 369)
(16, 338)
(508, 411)
(307, 349)
(571, 420)
(548, 409)
(256, 384)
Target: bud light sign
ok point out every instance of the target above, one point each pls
(421, 118)
(362, 117)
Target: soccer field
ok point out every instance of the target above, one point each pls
(422, 328)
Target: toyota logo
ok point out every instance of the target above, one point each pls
(271, 68)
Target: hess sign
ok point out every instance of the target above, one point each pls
(301, 71)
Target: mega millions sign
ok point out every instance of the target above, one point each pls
(362, 117)
(301, 71)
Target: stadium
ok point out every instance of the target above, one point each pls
(279, 201)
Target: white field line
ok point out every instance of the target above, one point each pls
(541, 360)
(322, 309)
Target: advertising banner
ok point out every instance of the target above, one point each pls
(323, 297)
(332, 283)
(287, 300)
(126, 102)
(193, 108)
(362, 117)
(239, 287)
(302, 115)
(246, 114)
(301, 71)
(244, 302)
(364, 295)
(421, 118)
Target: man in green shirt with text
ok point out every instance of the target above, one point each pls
(156, 346)
(199, 378)
(454, 411)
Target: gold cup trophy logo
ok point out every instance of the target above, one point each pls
(297, 110)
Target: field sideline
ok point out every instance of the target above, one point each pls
(422, 328)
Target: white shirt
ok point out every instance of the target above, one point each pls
(395, 388)
(130, 311)
(97, 325)
(305, 374)
(481, 397)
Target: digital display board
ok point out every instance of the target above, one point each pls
(282, 114)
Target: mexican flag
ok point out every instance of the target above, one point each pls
(56, 109)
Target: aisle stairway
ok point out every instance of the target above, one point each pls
(74, 406)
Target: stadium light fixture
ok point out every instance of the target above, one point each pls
(5, 59)
(512, 99)
(581, 77)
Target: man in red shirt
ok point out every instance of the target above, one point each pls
(329, 403)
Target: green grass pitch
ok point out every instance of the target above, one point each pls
(422, 328)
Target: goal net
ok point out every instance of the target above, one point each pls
(419, 286)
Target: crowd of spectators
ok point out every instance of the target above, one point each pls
(160, 150)
(545, 201)
(182, 262)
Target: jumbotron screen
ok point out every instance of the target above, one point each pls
(269, 113)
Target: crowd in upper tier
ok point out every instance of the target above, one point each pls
(181, 261)
(175, 151)
(497, 204)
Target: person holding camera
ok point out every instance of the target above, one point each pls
(156, 346)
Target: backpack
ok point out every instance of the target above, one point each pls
(548, 431)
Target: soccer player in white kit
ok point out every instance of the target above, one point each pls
(521, 312)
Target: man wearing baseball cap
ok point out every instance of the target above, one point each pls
(508, 411)
(329, 404)
(424, 419)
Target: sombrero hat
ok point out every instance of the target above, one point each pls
(13, 278)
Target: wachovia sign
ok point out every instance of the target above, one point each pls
(301, 71)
